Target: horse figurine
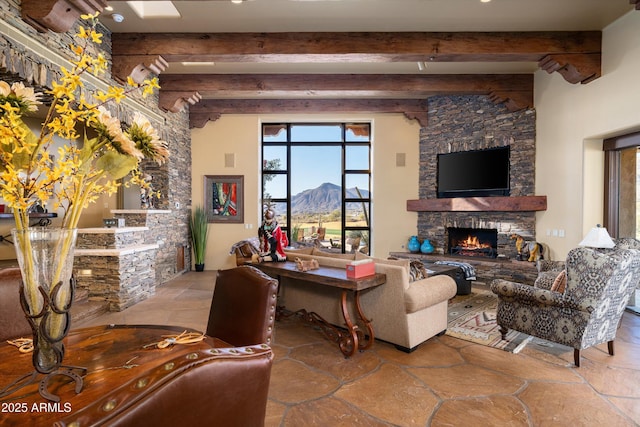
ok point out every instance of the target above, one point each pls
(531, 250)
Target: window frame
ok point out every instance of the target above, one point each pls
(345, 173)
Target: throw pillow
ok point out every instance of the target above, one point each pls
(417, 271)
(560, 283)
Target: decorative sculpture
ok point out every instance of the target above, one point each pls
(272, 239)
(531, 251)
(306, 265)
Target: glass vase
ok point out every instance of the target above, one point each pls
(45, 257)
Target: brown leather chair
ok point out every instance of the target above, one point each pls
(243, 309)
(224, 387)
(13, 323)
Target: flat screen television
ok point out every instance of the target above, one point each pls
(474, 173)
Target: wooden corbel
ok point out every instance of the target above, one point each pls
(636, 2)
(575, 68)
(420, 116)
(513, 100)
(57, 15)
(134, 66)
(176, 101)
(198, 120)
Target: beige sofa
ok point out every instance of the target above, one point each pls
(403, 313)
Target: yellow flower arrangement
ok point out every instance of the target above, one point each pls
(96, 154)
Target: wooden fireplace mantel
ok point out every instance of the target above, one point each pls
(479, 204)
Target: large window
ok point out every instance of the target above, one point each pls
(318, 177)
(622, 192)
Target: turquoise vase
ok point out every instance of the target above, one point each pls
(414, 244)
(426, 247)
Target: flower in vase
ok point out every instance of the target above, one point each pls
(94, 152)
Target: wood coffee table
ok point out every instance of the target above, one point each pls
(353, 338)
(121, 371)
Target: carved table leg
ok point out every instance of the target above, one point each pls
(364, 344)
(348, 343)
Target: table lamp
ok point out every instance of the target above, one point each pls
(598, 238)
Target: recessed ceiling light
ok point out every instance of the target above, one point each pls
(109, 8)
(117, 17)
(154, 9)
(485, 1)
(236, 1)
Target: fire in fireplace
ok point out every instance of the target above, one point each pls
(474, 242)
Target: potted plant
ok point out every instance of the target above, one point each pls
(199, 228)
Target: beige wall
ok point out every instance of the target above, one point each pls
(572, 121)
(240, 134)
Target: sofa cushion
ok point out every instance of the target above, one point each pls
(300, 251)
(560, 282)
(427, 292)
(388, 261)
(320, 252)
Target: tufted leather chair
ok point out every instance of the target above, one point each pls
(225, 387)
(244, 306)
(13, 323)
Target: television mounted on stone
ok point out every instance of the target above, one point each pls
(477, 173)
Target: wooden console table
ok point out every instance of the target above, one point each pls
(120, 373)
(353, 339)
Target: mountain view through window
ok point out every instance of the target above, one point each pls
(318, 178)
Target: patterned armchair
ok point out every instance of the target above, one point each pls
(548, 270)
(598, 286)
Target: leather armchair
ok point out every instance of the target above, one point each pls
(13, 323)
(587, 313)
(219, 387)
(243, 309)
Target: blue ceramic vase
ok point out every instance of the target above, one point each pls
(414, 244)
(426, 247)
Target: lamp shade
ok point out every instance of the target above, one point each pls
(598, 238)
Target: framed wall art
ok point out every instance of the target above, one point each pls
(224, 198)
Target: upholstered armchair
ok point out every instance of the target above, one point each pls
(586, 313)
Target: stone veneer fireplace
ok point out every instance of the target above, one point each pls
(462, 123)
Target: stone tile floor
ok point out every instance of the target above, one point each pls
(445, 382)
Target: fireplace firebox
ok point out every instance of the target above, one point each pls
(473, 242)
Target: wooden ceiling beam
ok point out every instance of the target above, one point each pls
(212, 109)
(178, 89)
(329, 85)
(577, 53)
(357, 46)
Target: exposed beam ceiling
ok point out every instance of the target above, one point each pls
(326, 55)
(576, 55)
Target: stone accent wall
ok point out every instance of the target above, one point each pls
(115, 265)
(158, 233)
(463, 123)
(107, 238)
(28, 61)
(121, 280)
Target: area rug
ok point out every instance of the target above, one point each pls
(473, 318)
